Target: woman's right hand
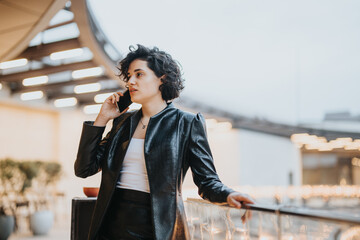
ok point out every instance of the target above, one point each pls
(109, 110)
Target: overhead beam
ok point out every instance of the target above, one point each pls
(43, 50)
(16, 77)
(58, 85)
(59, 24)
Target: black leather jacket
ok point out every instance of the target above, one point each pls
(175, 140)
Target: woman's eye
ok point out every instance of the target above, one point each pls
(139, 74)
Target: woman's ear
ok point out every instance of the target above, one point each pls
(162, 78)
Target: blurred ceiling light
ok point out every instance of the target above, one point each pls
(312, 139)
(67, 54)
(340, 142)
(345, 140)
(135, 106)
(92, 109)
(65, 102)
(35, 80)
(311, 146)
(304, 138)
(299, 137)
(325, 148)
(336, 144)
(320, 146)
(352, 146)
(87, 72)
(311, 142)
(85, 88)
(13, 63)
(100, 98)
(31, 95)
(322, 139)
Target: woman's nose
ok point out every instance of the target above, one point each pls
(131, 81)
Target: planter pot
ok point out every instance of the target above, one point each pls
(7, 224)
(41, 222)
(91, 191)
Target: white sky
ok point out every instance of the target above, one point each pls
(287, 61)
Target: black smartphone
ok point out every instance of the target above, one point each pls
(124, 101)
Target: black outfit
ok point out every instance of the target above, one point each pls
(128, 217)
(175, 140)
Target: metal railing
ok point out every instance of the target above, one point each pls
(267, 222)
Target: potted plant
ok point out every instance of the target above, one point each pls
(8, 169)
(42, 219)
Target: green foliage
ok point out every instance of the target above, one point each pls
(30, 169)
(18, 176)
(7, 167)
(52, 170)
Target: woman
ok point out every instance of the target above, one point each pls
(145, 156)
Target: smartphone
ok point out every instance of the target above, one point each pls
(124, 101)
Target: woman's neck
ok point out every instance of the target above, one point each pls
(149, 109)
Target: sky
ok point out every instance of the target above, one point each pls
(286, 61)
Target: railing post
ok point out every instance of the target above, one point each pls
(278, 215)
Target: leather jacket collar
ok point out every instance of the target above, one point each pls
(134, 119)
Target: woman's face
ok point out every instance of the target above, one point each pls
(143, 83)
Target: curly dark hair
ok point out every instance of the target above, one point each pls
(161, 63)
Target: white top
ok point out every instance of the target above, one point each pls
(133, 173)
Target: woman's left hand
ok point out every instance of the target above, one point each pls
(235, 199)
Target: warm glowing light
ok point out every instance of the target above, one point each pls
(31, 95)
(100, 98)
(299, 137)
(322, 139)
(352, 145)
(0, 86)
(88, 72)
(67, 54)
(312, 146)
(65, 102)
(35, 80)
(345, 140)
(85, 88)
(14, 63)
(336, 144)
(355, 162)
(313, 142)
(92, 109)
(304, 138)
(325, 147)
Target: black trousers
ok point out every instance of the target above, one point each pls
(128, 217)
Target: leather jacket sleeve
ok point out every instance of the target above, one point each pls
(91, 149)
(202, 165)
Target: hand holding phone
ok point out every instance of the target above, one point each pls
(124, 101)
(108, 111)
